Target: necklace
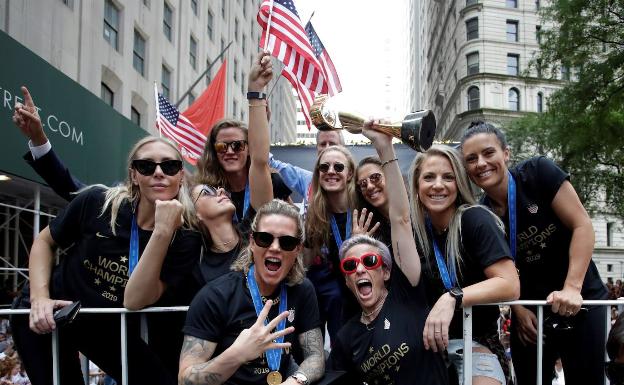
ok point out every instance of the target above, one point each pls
(367, 316)
(221, 247)
(265, 299)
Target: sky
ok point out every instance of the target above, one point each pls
(367, 41)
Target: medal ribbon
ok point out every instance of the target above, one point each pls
(447, 279)
(134, 245)
(511, 211)
(336, 231)
(246, 200)
(273, 355)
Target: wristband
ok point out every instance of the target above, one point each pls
(389, 161)
(256, 95)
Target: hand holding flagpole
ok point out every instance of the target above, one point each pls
(266, 37)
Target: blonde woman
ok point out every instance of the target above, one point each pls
(466, 262)
(117, 240)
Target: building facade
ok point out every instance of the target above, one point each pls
(470, 60)
(119, 49)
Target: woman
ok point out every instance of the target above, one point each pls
(383, 344)
(371, 192)
(467, 262)
(551, 238)
(328, 224)
(227, 337)
(117, 233)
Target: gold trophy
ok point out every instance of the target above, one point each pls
(416, 130)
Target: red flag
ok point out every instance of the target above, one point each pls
(289, 43)
(210, 106)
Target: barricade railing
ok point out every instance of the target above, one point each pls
(467, 330)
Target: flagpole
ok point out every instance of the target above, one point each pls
(203, 74)
(157, 109)
(266, 36)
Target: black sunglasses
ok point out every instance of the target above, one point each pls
(286, 242)
(235, 145)
(374, 178)
(148, 167)
(211, 192)
(338, 167)
(558, 323)
(615, 372)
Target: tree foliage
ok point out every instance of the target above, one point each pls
(583, 128)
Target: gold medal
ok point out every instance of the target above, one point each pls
(274, 378)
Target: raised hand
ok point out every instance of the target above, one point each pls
(261, 72)
(26, 118)
(362, 223)
(42, 314)
(168, 215)
(259, 338)
(379, 139)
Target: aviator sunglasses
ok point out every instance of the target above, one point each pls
(374, 178)
(371, 261)
(286, 242)
(235, 145)
(338, 167)
(210, 192)
(147, 167)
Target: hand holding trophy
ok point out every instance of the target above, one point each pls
(416, 130)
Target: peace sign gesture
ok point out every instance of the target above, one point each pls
(259, 338)
(26, 118)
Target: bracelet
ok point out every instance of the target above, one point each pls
(389, 161)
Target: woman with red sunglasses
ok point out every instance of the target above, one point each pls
(115, 238)
(383, 343)
(467, 262)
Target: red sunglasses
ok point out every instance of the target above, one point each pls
(371, 261)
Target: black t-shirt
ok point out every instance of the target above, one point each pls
(542, 240)
(223, 308)
(390, 350)
(483, 244)
(280, 191)
(95, 270)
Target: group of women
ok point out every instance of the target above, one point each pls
(391, 270)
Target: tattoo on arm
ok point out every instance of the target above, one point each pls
(313, 364)
(195, 362)
(398, 255)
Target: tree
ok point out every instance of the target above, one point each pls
(583, 128)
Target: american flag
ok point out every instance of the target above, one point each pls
(329, 71)
(178, 128)
(306, 97)
(288, 42)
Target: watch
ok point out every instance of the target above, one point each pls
(300, 377)
(457, 293)
(256, 95)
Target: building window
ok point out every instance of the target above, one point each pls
(472, 60)
(146, 3)
(135, 116)
(168, 21)
(223, 9)
(191, 98)
(194, 7)
(242, 82)
(609, 268)
(514, 99)
(138, 53)
(472, 28)
(244, 9)
(244, 44)
(540, 102)
(235, 70)
(111, 24)
(511, 3)
(513, 63)
(208, 76)
(193, 53)
(537, 4)
(165, 82)
(107, 95)
(222, 48)
(471, 2)
(69, 3)
(210, 24)
(610, 233)
(538, 68)
(538, 34)
(474, 99)
(565, 73)
(512, 30)
(234, 108)
(236, 29)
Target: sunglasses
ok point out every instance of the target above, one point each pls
(558, 323)
(338, 167)
(374, 178)
(148, 167)
(210, 192)
(286, 242)
(371, 261)
(235, 145)
(615, 372)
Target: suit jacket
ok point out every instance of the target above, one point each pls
(55, 174)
